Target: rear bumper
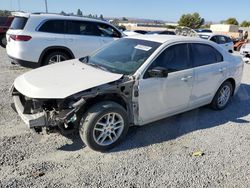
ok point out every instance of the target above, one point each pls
(32, 120)
(24, 63)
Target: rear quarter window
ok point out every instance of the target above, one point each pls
(19, 23)
(203, 54)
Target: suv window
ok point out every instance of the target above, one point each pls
(82, 28)
(108, 31)
(214, 39)
(18, 23)
(203, 54)
(53, 26)
(174, 58)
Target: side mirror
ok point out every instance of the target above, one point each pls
(158, 72)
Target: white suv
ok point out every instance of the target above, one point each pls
(133, 81)
(35, 40)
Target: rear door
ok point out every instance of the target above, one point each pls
(209, 72)
(82, 37)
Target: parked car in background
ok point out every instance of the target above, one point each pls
(133, 81)
(40, 39)
(245, 50)
(165, 32)
(203, 31)
(143, 32)
(223, 40)
(5, 23)
(130, 33)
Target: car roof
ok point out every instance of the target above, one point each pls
(56, 16)
(165, 38)
(212, 34)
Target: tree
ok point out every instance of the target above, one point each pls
(231, 21)
(193, 21)
(5, 13)
(245, 24)
(101, 17)
(63, 13)
(79, 12)
(124, 19)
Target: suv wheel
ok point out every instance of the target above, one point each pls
(3, 41)
(222, 96)
(104, 125)
(55, 57)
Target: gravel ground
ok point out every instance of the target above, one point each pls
(156, 155)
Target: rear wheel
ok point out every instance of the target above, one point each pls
(3, 41)
(222, 96)
(55, 57)
(104, 125)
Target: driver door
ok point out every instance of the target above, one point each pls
(162, 96)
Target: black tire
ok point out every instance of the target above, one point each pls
(3, 41)
(92, 116)
(48, 57)
(215, 103)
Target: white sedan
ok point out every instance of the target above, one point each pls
(245, 52)
(222, 40)
(133, 81)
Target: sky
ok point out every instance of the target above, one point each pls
(167, 10)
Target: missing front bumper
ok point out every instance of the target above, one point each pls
(32, 120)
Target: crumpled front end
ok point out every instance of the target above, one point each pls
(38, 113)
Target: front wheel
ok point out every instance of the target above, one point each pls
(3, 41)
(104, 125)
(222, 96)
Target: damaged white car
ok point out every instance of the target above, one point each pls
(134, 81)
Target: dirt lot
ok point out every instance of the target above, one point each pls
(157, 155)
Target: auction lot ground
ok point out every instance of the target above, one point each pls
(156, 155)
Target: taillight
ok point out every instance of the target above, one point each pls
(20, 37)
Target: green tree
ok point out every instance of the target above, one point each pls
(193, 21)
(124, 19)
(79, 12)
(101, 17)
(231, 21)
(245, 24)
(5, 13)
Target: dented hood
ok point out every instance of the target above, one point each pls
(61, 80)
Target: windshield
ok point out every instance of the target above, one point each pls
(124, 56)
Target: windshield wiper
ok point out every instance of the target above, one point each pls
(86, 61)
(98, 66)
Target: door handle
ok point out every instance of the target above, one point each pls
(222, 69)
(186, 78)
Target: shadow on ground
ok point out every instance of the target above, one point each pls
(176, 126)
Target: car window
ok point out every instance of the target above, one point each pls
(124, 56)
(228, 39)
(18, 23)
(108, 31)
(174, 58)
(53, 26)
(82, 28)
(3, 21)
(203, 54)
(221, 39)
(214, 39)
